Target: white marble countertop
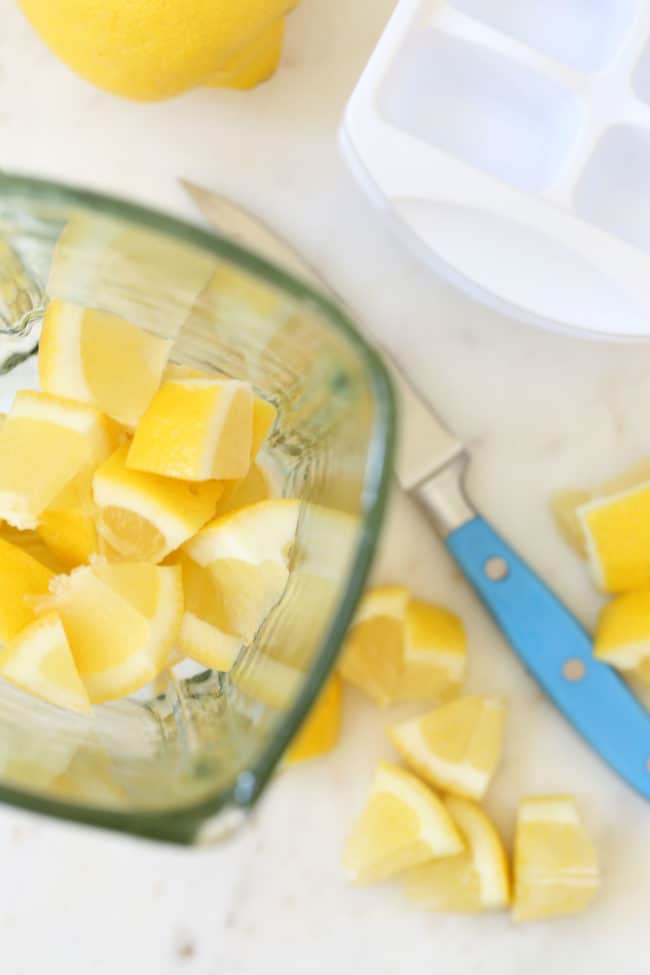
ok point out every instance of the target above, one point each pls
(539, 411)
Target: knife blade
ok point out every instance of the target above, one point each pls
(550, 642)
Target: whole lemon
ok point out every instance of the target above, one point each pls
(153, 49)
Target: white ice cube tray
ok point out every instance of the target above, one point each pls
(509, 141)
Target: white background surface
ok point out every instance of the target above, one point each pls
(539, 412)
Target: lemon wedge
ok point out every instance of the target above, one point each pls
(472, 881)
(21, 577)
(617, 532)
(456, 747)
(62, 437)
(320, 731)
(38, 660)
(100, 359)
(555, 862)
(256, 486)
(144, 517)
(196, 430)
(403, 824)
(400, 649)
(67, 526)
(121, 620)
(31, 542)
(623, 634)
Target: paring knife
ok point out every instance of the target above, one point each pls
(551, 643)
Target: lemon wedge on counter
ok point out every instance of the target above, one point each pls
(623, 634)
(101, 359)
(617, 532)
(320, 731)
(555, 862)
(403, 824)
(62, 437)
(472, 881)
(39, 660)
(400, 649)
(456, 747)
(21, 578)
(144, 517)
(121, 621)
(196, 430)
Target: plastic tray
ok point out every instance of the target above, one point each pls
(509, 141)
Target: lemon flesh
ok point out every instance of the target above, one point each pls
(144, 516)
(196, 430)
(472, 881)
(555, 862)
(457, 747)
(21, 578)
(622, 636)
(403, 824)
(39, 660)
(100, 359)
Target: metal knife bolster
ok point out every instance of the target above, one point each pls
(443, 497)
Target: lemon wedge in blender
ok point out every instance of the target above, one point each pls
(21, 577)
(101, 359)
(144, 517)
(31, 542)
(256, 486)
(456, 747)
(196, 430)
(45, 441)
(555, 862)
(67, 526)
(320, 731)
(617, 533)
(472, 881)
(400, 649)
(403, 824)
(121, 620)
(39, 660)
(623, 634)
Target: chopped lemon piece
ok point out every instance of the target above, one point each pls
(121, 621)
(196, 430)
(67, 526)
(144, 516)
(39, 661)
(623, 634)
(101, 359)
(256, 486)
(21, 577)
(320, 731)
(404, 824)
(400, 649)
(457, 747)
(44, 443)
(31, 542)
(617, 532)
(555, 862)
(472, 881)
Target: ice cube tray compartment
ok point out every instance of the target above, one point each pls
(526, 112)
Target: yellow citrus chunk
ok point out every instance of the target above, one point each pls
(472, 881)
(456, 747)
(121, 620)
(403, 824)
(31, 542)
(38, 660)
(320, 731)
(45, 441)
(623, 634)
(196, 430)
(400, 649)
(555, 863)
(67, 526)
(256, 486)
(21, 577)
(144, 517)
(101, 359)
(617, 532)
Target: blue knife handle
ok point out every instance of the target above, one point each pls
(557, 651)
